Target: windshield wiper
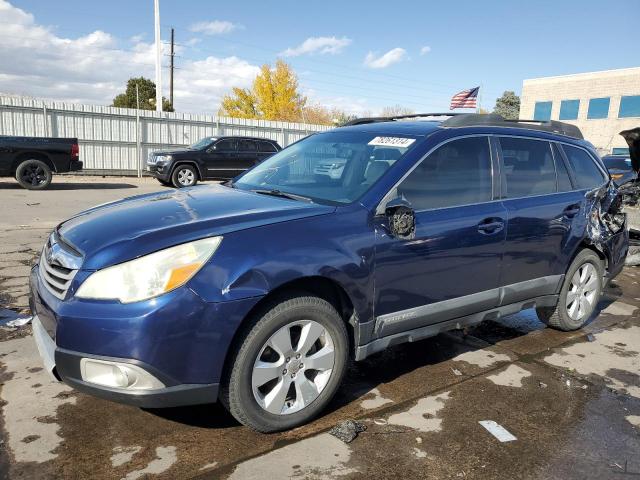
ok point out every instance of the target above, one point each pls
(278, 193)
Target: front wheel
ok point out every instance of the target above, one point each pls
(33, 175)
(288, 366)
(579, 294)
(184, 176)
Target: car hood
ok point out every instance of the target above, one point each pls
(120, 231)
(176, 151)
(633, 140)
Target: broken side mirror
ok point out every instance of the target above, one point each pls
(401, 218)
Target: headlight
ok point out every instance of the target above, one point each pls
(151, 275)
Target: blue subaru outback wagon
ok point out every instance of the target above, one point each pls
(258, 292)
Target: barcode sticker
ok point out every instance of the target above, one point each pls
(392, 142)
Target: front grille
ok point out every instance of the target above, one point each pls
(56, 278)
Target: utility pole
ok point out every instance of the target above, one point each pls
(156, 8)
(171, 55)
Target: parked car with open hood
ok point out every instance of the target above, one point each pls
(258, 293)
(211, 158)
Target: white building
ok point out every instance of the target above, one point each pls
(601, 104)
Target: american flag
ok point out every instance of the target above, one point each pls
(465, 99)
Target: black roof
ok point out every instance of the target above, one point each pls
(457, 120)
(243, 137)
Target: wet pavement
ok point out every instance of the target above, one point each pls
(571, 400)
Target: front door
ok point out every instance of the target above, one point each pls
(220, 159)
(450, 267)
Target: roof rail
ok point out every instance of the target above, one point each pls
(364, 120)
(495, 120)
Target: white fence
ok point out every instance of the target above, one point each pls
(120, 139)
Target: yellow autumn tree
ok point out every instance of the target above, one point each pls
(273, 96)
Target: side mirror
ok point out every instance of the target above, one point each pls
(401, 218)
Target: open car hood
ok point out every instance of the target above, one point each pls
(632, 137)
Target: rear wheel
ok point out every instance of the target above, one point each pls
(33, 174)
(184, 176)
(579, 294)
(288, 366)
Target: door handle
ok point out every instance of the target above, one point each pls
(490, 226)
(571, 211)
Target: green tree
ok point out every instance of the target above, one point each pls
(147, 92)
(508, 105)
(273, 96)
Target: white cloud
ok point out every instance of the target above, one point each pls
(392, 56)
(93, 69)
(215, 27)
(320, 45)
(424, 50)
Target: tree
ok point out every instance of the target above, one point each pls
(273, 96)
(508, 105)
(396, 110)
(147, 93)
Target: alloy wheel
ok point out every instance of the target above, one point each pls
(581, 297)
(186, 177)
(293, 367)
(34, 174)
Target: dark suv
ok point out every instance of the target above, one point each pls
(258, 292)
(212, 158)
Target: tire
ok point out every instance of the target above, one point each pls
(34, 175)
(273, 401)
(585, 279)
(184, 176)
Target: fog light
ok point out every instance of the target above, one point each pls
(117, 375)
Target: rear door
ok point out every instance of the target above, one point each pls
(542, 205)
(247, 154)
(221, 159)
(265, 149)
(451, 266)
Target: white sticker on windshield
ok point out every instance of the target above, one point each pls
(392, 142)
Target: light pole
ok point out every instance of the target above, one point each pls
(156, 8)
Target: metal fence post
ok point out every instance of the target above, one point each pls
(45, 119)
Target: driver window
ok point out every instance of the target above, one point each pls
(457, 173)
(226, 146)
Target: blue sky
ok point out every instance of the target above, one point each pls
(493, 44)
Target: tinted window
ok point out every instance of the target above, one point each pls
(542, 111)
(629, 106)
(226, 145)
(586, 173)
(266, 147)
(457, 173)
(598, 108)
(564, 180)
(569, 109)
(528, 167)
(247, 146)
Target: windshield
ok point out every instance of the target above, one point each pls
(336, 167)
(617, 163)
(203, 143)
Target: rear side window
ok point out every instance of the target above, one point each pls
(226, 145)
(528, 167)
(247, 146)
(564, 180)
(586, 172)
(457, 173)
(266, 147)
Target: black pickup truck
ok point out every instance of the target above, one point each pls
(33, 160)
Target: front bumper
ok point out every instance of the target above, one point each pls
(161, 172)
(178, 338)
(64, 365)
